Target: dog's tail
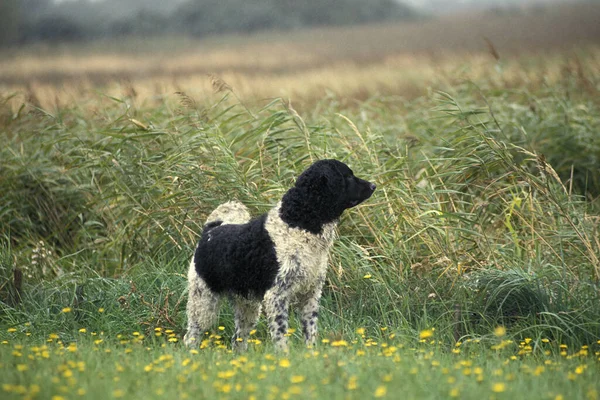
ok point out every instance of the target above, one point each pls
(232, 212)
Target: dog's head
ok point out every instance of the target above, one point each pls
(322, 193)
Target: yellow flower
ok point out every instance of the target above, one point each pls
(500, 331)
(498, 387)
(339, 343)
(297, 379)
(101, 310)
(367, 276)
(360, 331)
(11, 330)
(21, 367)
(221, 328)
(66, 309)
(118, 393)
(173, 339)
(82, 330)
(380, 391)
(427, 333)
(352, 383)
(454, 392)
(284, 363)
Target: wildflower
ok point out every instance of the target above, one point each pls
(352, 383)
(82, 330)
(66, 310)
(367, 276)
(380, 391)
(11, 330)
(360, 331)
(454, 392)
(118, 393)
(173, 339)
(284, 363)
(297, 379)
(101, 310)
(498, 387)
(500, 331)
(426, 334)
(21, 367)
(221, 328)
(339, 343)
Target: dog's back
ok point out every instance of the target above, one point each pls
(232, 212)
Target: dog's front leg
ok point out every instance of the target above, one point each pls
(309, 304)
(276, 307)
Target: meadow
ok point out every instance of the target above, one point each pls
(471, 273)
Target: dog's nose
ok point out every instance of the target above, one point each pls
(372, 186)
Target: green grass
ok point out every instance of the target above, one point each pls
(486, 215)
(99, 366)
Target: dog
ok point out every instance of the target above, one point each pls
(277, 259)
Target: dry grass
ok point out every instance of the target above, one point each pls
(401, 59)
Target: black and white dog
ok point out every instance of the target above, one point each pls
(277, 259)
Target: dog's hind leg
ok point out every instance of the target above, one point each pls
(202, 308)
(246, 316)
(276, 307)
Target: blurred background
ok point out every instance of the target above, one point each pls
(57, 50)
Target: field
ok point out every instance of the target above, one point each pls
(473, 271)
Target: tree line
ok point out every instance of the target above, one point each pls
(26, 21)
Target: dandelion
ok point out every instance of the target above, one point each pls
(426, 334)
(380, 391)
(454, 392)
(367, 276)
(101, 310)
(173, 339)
(66, 310)
(339, 343)
(118, 393)
(500, 331)
(284, 363)
(498, 387)
(360, 331)
(11, 330)
(297, 379)
(221, 328)
(21, 367)
(352, 383)
(82, 330)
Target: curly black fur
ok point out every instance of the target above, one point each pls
(321, 195)
(239, 259)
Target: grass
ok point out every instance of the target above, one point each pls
(99, 366)
(472, 272)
